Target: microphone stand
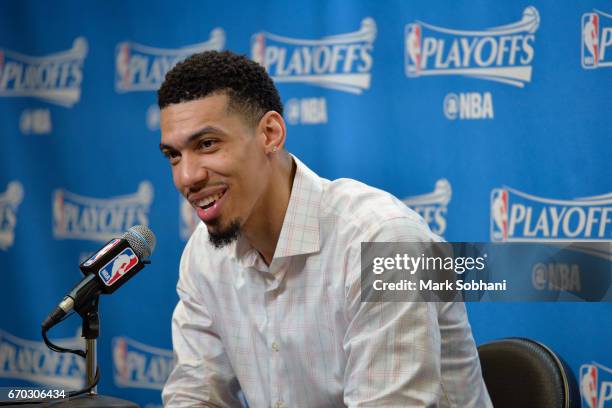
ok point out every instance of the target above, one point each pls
(91, 331)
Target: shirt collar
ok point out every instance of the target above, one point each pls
(300, 231)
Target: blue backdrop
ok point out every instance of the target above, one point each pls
(491, 119)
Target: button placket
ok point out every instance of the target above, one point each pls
(273, 348)
(273, 292)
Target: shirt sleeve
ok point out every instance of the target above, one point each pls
(202, 376)
(393, 348)
(408, 353)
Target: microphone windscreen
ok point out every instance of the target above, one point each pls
(141, 239)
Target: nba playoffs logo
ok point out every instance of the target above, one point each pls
(99, 219)
(342, 62)
(596, 40)
(54, 78)
(9, 202)
(138, 365)
(143, 68)
(32, 361)
(596, 386)
(503, 54)
(517, 216)
(433, 206)
(118, 267)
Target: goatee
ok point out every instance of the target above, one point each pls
(222, 237)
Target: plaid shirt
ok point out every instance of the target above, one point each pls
(295, 333)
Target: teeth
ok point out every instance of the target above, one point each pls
(208, 200)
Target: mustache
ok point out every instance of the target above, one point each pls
(199, 187)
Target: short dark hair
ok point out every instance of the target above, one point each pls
(250, 89)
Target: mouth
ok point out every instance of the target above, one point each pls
(209, 201)
(209, 207)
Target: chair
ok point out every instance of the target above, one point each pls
(522, 373)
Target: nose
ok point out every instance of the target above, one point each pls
(190, 173)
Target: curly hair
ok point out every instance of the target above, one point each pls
(250, 89)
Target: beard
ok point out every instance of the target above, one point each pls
(220, 237)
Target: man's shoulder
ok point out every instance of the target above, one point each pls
(369, 209)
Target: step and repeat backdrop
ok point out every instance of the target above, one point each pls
(490, 119)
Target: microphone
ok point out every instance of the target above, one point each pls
(107, 270)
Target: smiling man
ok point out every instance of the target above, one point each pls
(222, 163)
(269, 282)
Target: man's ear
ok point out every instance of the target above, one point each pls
(273, 131)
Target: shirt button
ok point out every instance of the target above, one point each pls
(276, 347)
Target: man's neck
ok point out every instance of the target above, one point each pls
(263, 234)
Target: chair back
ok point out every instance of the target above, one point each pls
(522, 373)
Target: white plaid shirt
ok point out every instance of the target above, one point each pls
(295, 334)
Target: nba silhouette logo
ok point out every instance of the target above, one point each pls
(118, 267)
(413, 49)
(122, 64)
(499, 215)
(588, 385)
(590, 40)
(120, 357)
(596, 386)
(258, 49)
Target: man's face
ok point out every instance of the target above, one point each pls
(218, 163)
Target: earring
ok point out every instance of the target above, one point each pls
(274, 149)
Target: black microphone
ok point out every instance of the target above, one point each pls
(107, 270)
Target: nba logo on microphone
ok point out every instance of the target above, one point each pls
(596, 40)
(118, 267)
(595, 386)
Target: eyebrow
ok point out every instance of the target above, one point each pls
(194, 136)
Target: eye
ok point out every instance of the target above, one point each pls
(207, 144)
(173, 157)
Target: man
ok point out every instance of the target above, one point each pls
(269, 283)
